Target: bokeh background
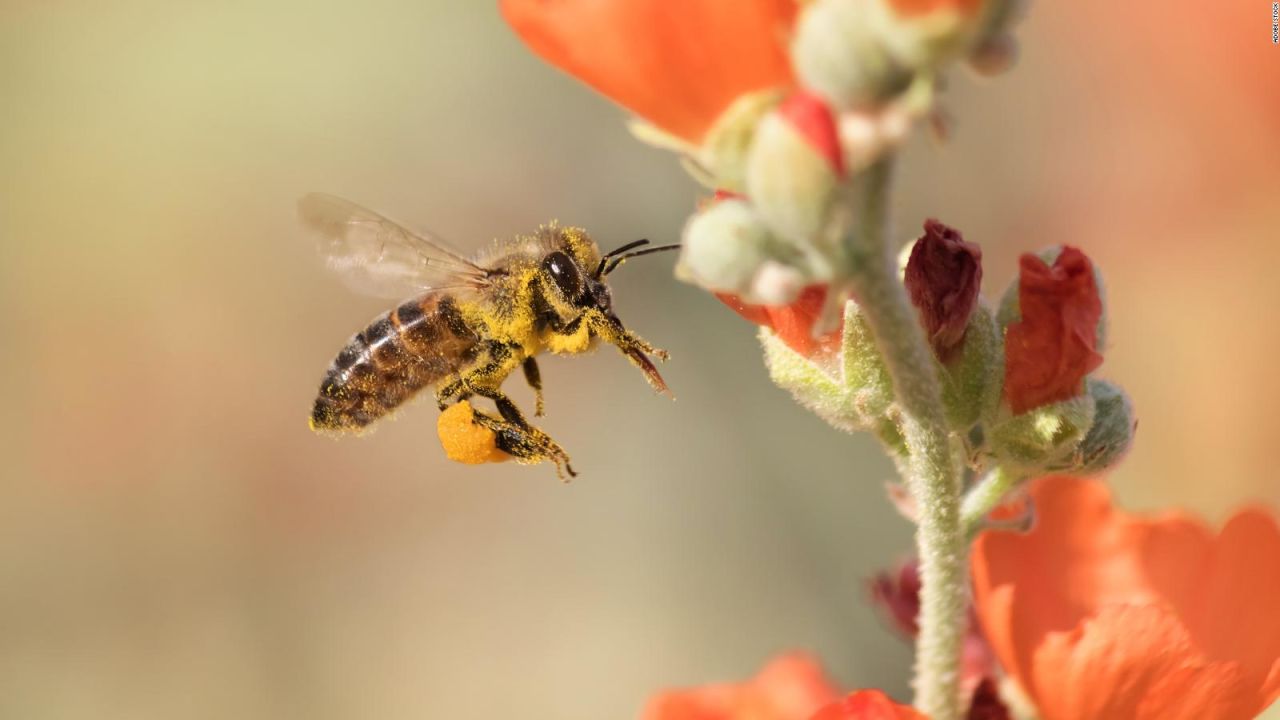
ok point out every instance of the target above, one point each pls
(176, 543)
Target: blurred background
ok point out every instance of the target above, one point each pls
(176, 543)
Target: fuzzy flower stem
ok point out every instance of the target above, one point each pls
(984, 496)
(933, 472)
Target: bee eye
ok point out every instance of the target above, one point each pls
(565, 274)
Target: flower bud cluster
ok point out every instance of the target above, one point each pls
(1018, 388)
(865, 71)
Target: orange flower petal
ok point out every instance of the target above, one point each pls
(868, 705)
(792, 323)
(755, 314)
(1197, 607)
(1118, 665)
(676, 64)
(791, 687)
(795, 685)
(1232, 608)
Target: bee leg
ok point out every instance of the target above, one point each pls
(517, 437)
(534, 378)
(609, 329)
(500, 360)
(506, 408)
(526, 443)
(455, 389)
(639, 343)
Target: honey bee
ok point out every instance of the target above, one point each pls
(470, 322)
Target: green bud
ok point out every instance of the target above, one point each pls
(791, 178)
(924, 42)
(1043, 439)
(724, 151)
(1112, 433)
(727, 248)
(839, 50)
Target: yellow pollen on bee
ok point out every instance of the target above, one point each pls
(466, 441)
(578, 342)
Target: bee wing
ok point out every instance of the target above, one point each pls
(378, 257)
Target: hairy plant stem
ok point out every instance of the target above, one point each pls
(984, 496)
(934, 477)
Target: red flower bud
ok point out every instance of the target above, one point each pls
(1054, 346)
(792, 323)
(812, 118)
(943, 276)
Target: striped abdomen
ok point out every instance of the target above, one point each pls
(402, 351)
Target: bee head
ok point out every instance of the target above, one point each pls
(572, 286)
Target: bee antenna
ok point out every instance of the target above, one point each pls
(647, 251)
(615, 252)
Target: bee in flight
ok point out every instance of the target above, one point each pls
(469, 322)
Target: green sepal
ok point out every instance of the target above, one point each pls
(1112, 433)
(973, 377)
(863, 368)
(1046, 438)
(850, 390)
(811, 384)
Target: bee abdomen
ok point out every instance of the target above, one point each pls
(387, 363)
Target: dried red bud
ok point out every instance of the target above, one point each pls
(1054, 345)
(986, 703)
(813, 119)
(943, 277)
(792, 323)
(897, 595)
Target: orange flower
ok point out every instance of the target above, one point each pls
(792, 323)
(868, 705)
(791, 687)
(1102, 615)
(676, 64)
